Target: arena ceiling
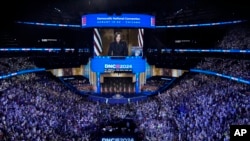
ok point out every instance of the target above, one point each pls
(70, 11)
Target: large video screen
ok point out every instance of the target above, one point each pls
(118, 41)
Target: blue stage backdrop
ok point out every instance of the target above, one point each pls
(122, 20)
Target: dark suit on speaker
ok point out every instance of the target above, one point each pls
(118, 49)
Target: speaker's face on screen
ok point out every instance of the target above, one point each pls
(104, 36)
(118, 38)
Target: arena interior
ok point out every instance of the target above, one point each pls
(190, 80)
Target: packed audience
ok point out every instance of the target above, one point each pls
(38, 106)
(237, 37)
(14, 64)
(232, 67)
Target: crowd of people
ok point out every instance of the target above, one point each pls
(14, 64)
(41, 108)
(237, 37)
(231, 67)
(37, 106)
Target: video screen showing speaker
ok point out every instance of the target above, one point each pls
(118, 42)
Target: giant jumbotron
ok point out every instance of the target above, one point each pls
(116, 79)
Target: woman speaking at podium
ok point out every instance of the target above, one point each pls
(118, 47)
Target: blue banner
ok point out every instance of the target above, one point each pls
(123, 20)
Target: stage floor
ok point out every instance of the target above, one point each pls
(117, 98)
